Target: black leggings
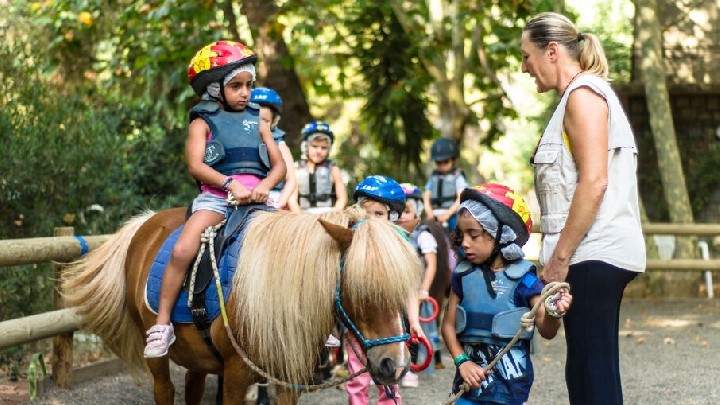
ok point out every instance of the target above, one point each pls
(592, 368)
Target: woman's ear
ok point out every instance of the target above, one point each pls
(552, 50)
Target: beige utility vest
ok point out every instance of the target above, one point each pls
(615, 236)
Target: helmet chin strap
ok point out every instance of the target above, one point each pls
(488, 273)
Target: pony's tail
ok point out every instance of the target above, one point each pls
(96, 285)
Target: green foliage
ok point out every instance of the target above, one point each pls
(394, 110)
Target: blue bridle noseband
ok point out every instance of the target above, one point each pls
(350, 325)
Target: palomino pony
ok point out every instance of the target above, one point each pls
(282, 306)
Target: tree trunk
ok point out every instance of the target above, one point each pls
(661, 123)
(277, 67)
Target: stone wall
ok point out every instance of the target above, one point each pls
(696, 115)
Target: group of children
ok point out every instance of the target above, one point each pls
(235, 149)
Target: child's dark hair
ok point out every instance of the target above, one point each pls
(440, 287)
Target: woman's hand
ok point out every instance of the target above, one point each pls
(554, 270)
(473, 374)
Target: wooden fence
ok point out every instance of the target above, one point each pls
(63, 248)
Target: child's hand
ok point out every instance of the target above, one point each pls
(239, 193)
(473, 374)
(562, 302)
(260, 193)
(416, 329)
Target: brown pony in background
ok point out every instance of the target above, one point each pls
(281, 308)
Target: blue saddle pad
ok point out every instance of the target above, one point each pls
(181, 312)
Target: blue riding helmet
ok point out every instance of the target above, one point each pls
(267, 97)
(444, 149)
(383, 189)
(314, 127)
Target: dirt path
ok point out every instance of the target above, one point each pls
(670, 354)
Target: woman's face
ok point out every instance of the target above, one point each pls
(535, 62)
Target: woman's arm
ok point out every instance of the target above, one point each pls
(586, 124)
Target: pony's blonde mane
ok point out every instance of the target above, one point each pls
(285, 284)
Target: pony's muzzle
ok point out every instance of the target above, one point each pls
(389, 369)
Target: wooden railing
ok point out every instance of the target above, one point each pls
(61, 323)
(63, 248)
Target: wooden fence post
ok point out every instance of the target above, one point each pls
(62, 359)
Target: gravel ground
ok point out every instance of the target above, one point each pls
(669, 355)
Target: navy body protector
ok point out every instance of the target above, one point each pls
(482, 319)
(443, 192)
(236, 146)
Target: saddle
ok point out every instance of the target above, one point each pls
(204, 306)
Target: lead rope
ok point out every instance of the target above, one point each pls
(208, 237)
(527, 322)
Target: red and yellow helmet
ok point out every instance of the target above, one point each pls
(507, 206)
(215, 60)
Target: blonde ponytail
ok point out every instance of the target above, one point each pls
(592, 57)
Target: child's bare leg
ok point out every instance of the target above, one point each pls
(161, 336)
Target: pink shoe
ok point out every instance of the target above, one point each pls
(410, 380)
(159, 339)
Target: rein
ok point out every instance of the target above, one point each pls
(527, 323)
(341, 314)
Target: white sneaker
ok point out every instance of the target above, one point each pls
(410, 380)
(159, 339)
(332, 341)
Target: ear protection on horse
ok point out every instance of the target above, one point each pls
(342, 235)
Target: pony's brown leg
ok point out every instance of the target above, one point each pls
(163, 387)
(194, 387)
(286, 396)
(236, 380)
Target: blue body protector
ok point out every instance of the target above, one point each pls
(482, 319)
(443, 192)
(236, 146)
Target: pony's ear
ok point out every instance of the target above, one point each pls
(342, 235)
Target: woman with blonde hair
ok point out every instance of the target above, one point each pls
(585, 164)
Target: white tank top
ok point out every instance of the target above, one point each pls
(615, 236)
